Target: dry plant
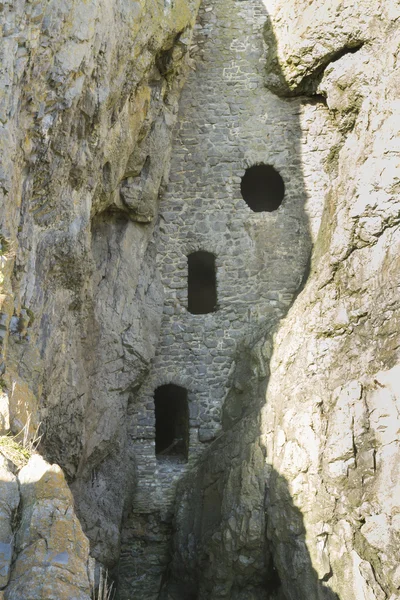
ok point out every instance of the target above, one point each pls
(14, 451)
(20, 447)
(30, 443)
(105, 591)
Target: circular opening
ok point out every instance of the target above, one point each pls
(262, 188)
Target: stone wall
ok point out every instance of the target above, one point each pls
(228, 121)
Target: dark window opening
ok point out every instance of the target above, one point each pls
(202, 283)
(262, 188)
(172, 421)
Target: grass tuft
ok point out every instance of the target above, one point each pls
(105, 591)
(14, 451)
(20, 447)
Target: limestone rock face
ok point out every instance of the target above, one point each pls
(9, 501)
(52, 551)
(305, 36)
(220, 547)
(294, 398)
(88, 99)
(331, 419)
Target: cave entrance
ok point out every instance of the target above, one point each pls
(202, 283)
(262, 188)
(172, 421)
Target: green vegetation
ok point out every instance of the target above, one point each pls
(30, 314)
(20, 447)
(4, 246)
(14, 450)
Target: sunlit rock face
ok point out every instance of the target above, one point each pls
(331, 424)
(52, 550)
(9, 501)
(88, 99)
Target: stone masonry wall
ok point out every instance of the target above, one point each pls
(228, 121)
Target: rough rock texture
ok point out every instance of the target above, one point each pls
(87, 104)
(52, 550)
(330, 425)
(9, 501)
(298, 500)
(220, 546)
(43, 550)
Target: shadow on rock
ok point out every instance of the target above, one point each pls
(238, 533)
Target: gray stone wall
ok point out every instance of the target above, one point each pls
(228, 121)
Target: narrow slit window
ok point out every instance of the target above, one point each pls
(202, 283)
(262, 188)
(172, 422)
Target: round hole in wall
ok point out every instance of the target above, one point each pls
(262, 188)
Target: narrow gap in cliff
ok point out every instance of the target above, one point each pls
(262, 188)
(164, 59)
(327, 576)
(314, 100)
(172, 422)
(274, 582)
(350, 49)
(202, 283)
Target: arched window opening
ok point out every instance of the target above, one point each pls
(262, 188)
(202, 283)
(172, 421)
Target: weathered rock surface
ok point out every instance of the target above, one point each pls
(298, 500)
(220, 547)
(305, 36)
(52, 551)
(9, 501)
(331, 419)
(88, 99)
(41, 534)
